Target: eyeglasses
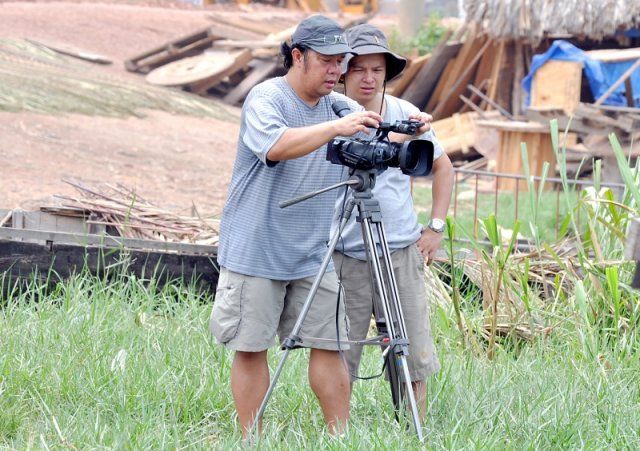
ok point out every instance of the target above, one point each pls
(326, 40)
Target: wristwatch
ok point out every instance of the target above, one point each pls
(437, 225)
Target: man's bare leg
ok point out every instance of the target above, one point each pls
(249, 384)
(329, 380)
(420, 393)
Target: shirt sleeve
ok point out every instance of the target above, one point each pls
(264, 126)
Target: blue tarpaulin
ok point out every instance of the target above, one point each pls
(600, 75)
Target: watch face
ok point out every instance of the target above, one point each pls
(437, 225)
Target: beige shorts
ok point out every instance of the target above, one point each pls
(248, 311)
(408, 267)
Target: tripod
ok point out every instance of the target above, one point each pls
(391, 324)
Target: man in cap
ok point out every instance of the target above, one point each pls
(269, 256)
(365, 77)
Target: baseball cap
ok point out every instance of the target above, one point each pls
(322, 35)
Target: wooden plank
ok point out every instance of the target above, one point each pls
(485, 67)
(557, 84)
(170, 51)
(399, 85)
(473, 106)
(509, 158)
(437, 92)
(74, 52)
(615, 55)
(451, 100)
(225, 31)
(504, 90)
(424, 82)
(479, 93)
(618, 109)
(464, 141)
(259, 26)
(587, 113)
(233, 44)
(303, 5)
(515, 126)
(469, 47)
(261, 70)
(53, 262)
(456, 133)
(516, 101)
(544, 114)
(628, 92)
(496, 70)
(39, 220)
(41, 236)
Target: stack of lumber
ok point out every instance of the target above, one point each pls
(591, 119)
(126, 213)
(228, 58)
(470, 73)
(468, 77)
(468, 57)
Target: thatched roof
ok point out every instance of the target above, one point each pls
(536, 18)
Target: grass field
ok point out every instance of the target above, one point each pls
(96, 365)
(122, 363)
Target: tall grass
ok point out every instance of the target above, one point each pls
(123, 363)
(578, 281)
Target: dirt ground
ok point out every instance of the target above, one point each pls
(171, 160)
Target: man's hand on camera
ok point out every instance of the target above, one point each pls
(362, 121)
(428, 244)
(422, 117)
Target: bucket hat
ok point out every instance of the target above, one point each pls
(366, 39)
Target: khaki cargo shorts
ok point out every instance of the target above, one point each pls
(248, 312)
(408, 267)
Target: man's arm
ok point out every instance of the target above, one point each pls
(442, 187)
(300, 141)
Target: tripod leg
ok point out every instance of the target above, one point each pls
(398, 394)
(390, 303)
(290, 342)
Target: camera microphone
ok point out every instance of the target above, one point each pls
(341, 108)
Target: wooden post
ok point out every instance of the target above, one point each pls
(509, 159)
(410, 17)
(516, 101)
(628, 91)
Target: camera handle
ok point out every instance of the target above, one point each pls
(368, 215)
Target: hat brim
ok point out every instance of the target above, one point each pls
(331, 50)
(395, 63)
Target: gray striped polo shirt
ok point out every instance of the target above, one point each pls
(257, 237)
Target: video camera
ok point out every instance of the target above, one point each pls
(414, 157)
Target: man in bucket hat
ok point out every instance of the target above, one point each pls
(365, 77)
(269, 256)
